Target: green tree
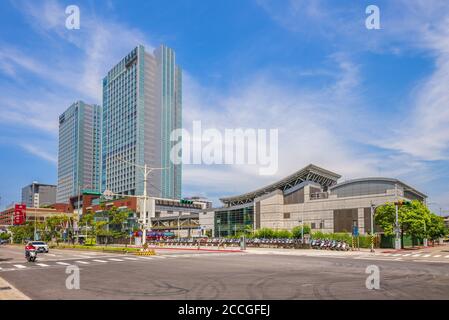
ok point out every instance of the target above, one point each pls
(436, 228)
(55, 225)
(297, 231)
(22, 232)
(4, 236)
(414, 219)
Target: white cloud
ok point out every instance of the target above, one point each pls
(37, 151)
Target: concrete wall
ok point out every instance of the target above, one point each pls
(315, 211)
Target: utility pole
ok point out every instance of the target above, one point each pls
(302, 226)
(146, 171)
(179, 231)
(372, 227)
(397, 242)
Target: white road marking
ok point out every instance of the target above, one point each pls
(96, 260)
(426, 255)
(416, 255)
(19, 266)
(160, 257)
(408, 254)
(129, 258)
(83, 262)
(63, 263)
(146, 258)
(50, 254)
(112, 259)
(437, 256)
(42, 264)
(397, 255)
(447, 256)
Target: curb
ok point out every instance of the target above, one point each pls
(9, 292)
(196, 249)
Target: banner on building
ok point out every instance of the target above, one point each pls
(19, 214)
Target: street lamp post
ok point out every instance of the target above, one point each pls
(146, 171)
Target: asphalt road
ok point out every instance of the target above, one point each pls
(192, 275)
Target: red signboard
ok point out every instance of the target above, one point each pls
(19, 214)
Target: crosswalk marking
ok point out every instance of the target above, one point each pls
(416, 255)
(447, 256)
(129, 258)
(426, 255)
(63, 263)
(97, 260)
(113, 259)
(82, 262)
(437, 256)
(19, 266)
(146, 258)
(42, 264)
(408, 254)
(397, 255)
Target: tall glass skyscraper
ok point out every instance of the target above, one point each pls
(79, 150)
(142, 105)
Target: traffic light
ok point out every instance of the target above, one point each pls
(403, 203)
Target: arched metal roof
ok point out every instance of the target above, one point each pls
(379, 179)
(312, 173)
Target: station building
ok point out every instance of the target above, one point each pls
(311, 196)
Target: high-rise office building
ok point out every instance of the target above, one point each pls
(37, 194)
(142, 105)
(79, 150)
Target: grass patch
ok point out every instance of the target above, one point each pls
(95, 248)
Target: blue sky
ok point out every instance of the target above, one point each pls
(356, 101)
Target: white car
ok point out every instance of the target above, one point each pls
(40, 246)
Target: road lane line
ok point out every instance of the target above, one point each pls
(426, 255)
(160, 257)
(447, 256)
(437, 256)
(396, 255)
(63, 263)
(42, 264)
(416, 255)
(82, 262)
(146, 258)
(408, 254)
(19, 266)
(129, 258)
(113, 259)
(96, 260)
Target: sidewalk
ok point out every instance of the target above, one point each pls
(8, 292)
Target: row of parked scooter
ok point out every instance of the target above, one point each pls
(327, 244)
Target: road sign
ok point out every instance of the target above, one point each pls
(355, 231)
(19, 214)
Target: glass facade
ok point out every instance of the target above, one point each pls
(78, 150)
(231, 222)
(141, 107)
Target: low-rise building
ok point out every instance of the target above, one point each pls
(311, 196)
(34, 214)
